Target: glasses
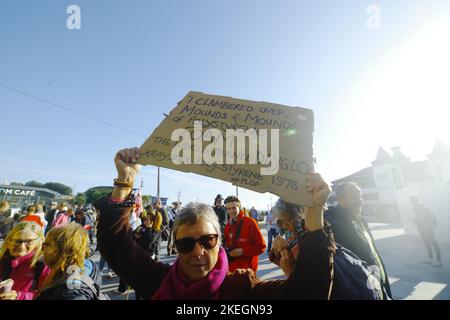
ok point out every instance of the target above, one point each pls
(186, 245)
(28, 242)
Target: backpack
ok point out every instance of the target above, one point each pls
(165, 233)
(98, 295)
(354, 279)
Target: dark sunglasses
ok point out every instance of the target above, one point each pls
(186, 245)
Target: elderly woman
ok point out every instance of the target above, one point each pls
(200, 271)
(350, 280)
(73, 276)
(289, 218)
(20, 261)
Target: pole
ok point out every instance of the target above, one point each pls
(157, 187)
(237, 192)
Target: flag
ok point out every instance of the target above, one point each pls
(138, 202)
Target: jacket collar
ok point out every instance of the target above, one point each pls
(239, 217)
(346, 213)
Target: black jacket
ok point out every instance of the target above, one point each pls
(221, 213)
(62, 291)
(424, 219)
(6, 224)
(149, 239)
(50, 216)
(353, 233)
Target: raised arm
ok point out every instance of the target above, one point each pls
(115, 236)
(311, 277)
(313, 271)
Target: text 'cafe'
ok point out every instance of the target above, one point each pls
(22, 196)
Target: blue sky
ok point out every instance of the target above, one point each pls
(133, 60)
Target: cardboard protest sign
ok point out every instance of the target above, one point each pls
(261, 146)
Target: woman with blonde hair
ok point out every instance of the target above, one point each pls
(73, 275)
(20, 261)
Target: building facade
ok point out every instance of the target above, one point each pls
(393, 178)
(22, 196)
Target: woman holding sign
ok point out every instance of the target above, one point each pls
(200, 271)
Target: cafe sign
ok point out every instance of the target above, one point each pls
(17, 192)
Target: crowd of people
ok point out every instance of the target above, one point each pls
(325, 253)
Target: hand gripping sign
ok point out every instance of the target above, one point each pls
(261, 146)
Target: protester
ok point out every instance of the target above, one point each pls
(41, 213)
(272, 229)
(73, 276)
(63, 218)
(254, 214)
(173, 212)
(353, 278)
(148, 234)
(426, 222)
(84, 220)
(221, 212)
(51, 215)
(243, 239)
(352, 231)
(201, 269)
(156, 204)
(33, 215)
(20, 260)
(6, 222)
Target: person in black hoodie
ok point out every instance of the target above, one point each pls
(221, 212)
(352, 231)
(73, 276)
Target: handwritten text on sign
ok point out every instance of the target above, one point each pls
(261, 146)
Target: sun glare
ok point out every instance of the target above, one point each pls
(407, 100)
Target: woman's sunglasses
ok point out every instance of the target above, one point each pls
(186, 245)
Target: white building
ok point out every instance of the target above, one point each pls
(392, 179)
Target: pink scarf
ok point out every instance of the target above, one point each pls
(174, 285)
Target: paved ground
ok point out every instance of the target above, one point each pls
(402, 254)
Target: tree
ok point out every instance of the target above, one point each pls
(80, 199)
(146, 199)
(34, 184)
(94, 194)
(16, 184)
(59, 187)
